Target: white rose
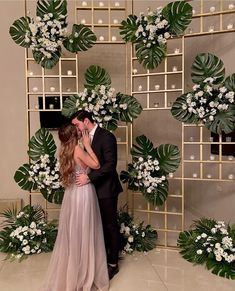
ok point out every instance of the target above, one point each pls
(199, 252)
(130, 239)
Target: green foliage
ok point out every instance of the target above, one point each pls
(95, 75)
(150, 164)
(212, 243)
(128, 28)
(18, 31)
(56, 7)
(26, 233)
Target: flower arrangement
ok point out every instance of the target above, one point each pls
(48, 32)
(212, 100)
(26, 233)
(42, 173)
(150, 32)
(211, 242)
(135, 237)
(149, 169)
(100, 98)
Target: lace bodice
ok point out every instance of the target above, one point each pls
(79, 169)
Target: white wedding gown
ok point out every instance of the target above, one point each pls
(78, 261)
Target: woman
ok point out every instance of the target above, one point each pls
(78, 261)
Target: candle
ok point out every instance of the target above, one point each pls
(211, 139)
(211, 28)
(230, 26)
(212, 157)
(192, 157)
(176, 50)
(174, 69)
(69, 73)
(100, 21)
(84, 3)
(101, 38)
(231, 176)
(212, 9)
(190, 30)
(209, 176)
(173, 86)
(157, 87)
(35, 89)
(36, 107)
(191, 138)
(101, 4)
(231, 6)
(83, 21)
(140, 88)
(115, 21)
(68, 89)
(52, 89)
(194, 175)
(51, 106)
(230, 158)
(117, 4)
(194, 11)
(156, 104)
(171, 175)
(228, 139)
(135, 71)
(30, 73)
(114, 38)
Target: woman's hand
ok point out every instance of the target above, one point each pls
(86, 138)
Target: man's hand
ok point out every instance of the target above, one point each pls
(82, 179)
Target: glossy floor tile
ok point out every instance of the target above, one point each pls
(158, 270)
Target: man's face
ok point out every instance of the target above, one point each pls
(80, 125)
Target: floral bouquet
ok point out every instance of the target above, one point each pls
(26, 233)
(211, 242)
(211, 102)
(100, 98)
(150, 32)
(135, 236)
(147, 173)
(42, 173)
(48, 32)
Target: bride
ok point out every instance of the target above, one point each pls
(78, 261)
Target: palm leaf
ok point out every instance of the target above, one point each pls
(230, 82)
(81, 39)
(22, 178)
(150, 57)
(10, 215)
(179, 15)
(143, 148)
(47, 63)
(221, 269)
(207, 65)
(158, 197)
(224, 121)
(56, 7)
(133, 110)
(55, 196)
(70, 106)
(18, 31)
(128, 28)
(40, 144)
(95, 75)
(181, 114)
(168, 156)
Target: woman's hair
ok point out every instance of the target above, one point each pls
(68, 135)
(81, 115)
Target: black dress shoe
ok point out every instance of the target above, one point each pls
(112, 271)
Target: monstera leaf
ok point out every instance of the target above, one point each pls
(56, 7)
(133, 110)
(22, 178)
(128, 28)
(45, 62)
(18, 31)
(159, 196)
(150, 57)
(221, 269)
(55, 196)
(81, 39)
(181, 114)
(95, 75)
(224, 121)
(168, 156)
(40, 144)
(143, 148)
(229, 82)
(179, 15)
(207, 65)
(70, 106)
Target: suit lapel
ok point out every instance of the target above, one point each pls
(95, 137)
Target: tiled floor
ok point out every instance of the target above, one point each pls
(158, 270)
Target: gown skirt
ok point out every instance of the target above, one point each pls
(78, 261)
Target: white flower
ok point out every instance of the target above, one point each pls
(204, 235)
(199, 252)
(24, 242)
(130, 239)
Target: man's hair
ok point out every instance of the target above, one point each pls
(81, 115)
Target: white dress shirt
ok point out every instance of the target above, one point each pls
(92, 132)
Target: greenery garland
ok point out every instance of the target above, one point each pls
(211, 242)
(147, 173)
(26, 233)
(135, 236)
(212, 100)
(48, 32)
(150, 33)
(100, 98)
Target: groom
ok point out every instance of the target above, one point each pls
(106, 182)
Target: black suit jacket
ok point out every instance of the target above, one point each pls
(105, 179)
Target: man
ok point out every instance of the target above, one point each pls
(106, 182)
